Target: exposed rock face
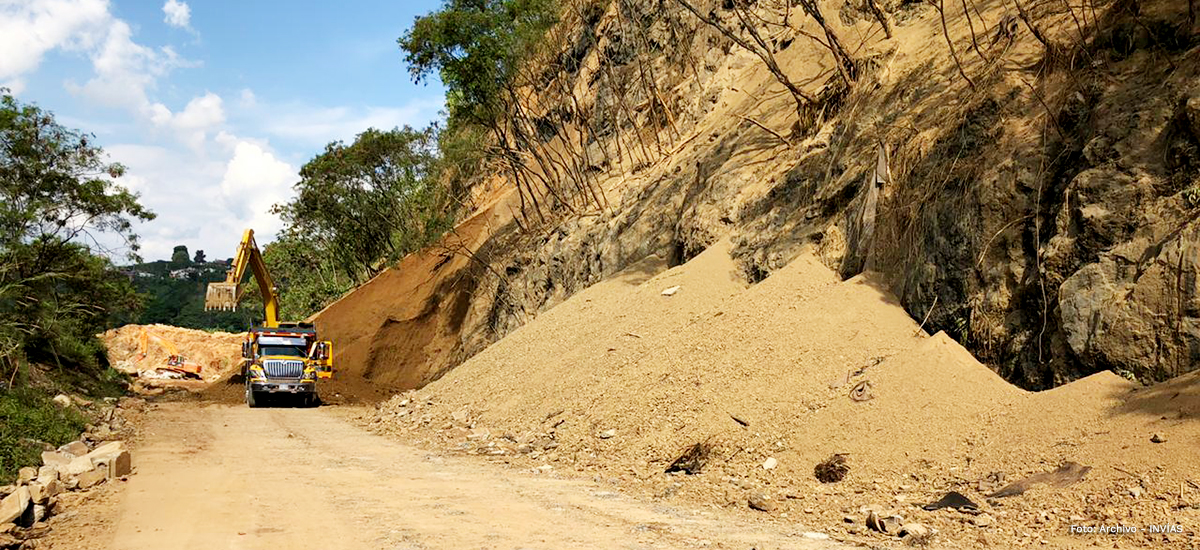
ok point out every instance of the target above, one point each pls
(1051, 229)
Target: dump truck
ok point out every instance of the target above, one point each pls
(278, 358)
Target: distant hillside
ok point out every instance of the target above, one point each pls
(173, 294)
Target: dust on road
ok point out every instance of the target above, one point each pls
(220, 476)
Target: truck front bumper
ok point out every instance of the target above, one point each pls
(283, 387)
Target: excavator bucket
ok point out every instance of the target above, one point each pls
(222, 296)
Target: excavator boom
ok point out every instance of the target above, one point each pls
(227, 294)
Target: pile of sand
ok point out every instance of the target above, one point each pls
(216, 353)
(620, 379)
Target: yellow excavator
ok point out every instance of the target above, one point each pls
(175, 361)
(280, 358)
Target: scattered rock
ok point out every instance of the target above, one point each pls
(62, 400)
(461, 416)
(607, 434)
(1135, 492)
(861, 392)
(78, 466)
(25, 475)
(479, 434)
(915, 530)
(1156, 438)
(671, 291)
(982, 520)
(770, 463)
(692, 460)
(761, 502)
(953, 499)
(13, 506)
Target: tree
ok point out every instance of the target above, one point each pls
(199, 258)
(368, 203)
(58, 200)
(180, 257)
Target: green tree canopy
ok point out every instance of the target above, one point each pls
(179, 256)
(367, 203)
(475, 47)
(58, 200)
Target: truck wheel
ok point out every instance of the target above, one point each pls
(252, 400)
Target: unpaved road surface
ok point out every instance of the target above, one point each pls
(213, 476)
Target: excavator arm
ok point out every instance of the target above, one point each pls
(226, 295)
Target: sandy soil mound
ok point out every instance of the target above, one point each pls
(621, 379)
(216, 353)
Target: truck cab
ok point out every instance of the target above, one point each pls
(285, 360)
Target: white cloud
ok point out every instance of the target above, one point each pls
(205, 200)
(254, 181)
(177, 14)
(192, 124)
(15, 86)
(316, 126)
(30, 28)
(124, 70)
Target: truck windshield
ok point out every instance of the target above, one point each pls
(289, 351)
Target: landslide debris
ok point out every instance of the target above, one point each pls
(669, 372)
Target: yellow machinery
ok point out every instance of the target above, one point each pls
(280, 358)
(175, 361)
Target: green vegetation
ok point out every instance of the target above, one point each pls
(58, 201)
(358, 207)
(27, 418)
(173, 294)
(58, 205)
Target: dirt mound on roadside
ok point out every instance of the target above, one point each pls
(620, 380)
(216, 353)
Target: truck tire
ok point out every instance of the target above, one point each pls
(252, 400)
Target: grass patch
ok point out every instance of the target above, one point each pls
(27, 417)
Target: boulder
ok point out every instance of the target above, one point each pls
(40, 492)
(74, 448)
(62, 400)
(55, 458)
(78, 466)
(25, 475)
(1136, 307)
(87, 480)
(13, 506)
(47, 474)
(117, 464)
(761, 502)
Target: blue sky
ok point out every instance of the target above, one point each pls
(214, 105)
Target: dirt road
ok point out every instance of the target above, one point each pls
(218, 476)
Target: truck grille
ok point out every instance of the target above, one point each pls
(283, 369)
